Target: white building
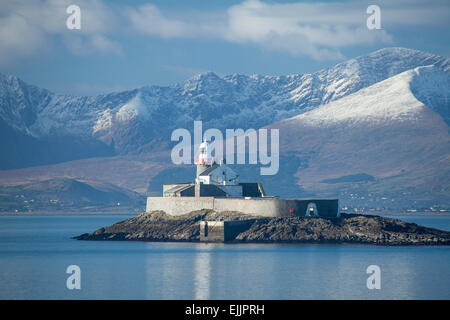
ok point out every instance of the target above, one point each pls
(219, 175)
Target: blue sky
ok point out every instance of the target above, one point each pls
(123, 45)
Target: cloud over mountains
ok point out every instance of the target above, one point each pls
(317, 30)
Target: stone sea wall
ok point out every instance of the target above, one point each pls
(255, 206)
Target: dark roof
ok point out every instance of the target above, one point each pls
(250, 189)
(209, 170)
(210, 190)
(178, 188)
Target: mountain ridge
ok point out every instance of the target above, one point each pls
(138, 120)
(66, 194)
(376, 126)
(383, 131)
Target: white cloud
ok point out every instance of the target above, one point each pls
(19, 39)
(314, 29)
(319, 30)
(148, 19)
(29, 28)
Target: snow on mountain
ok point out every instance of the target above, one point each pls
(399, 98)
(373, 130)
(386, 131)
(20, 103)
(77, 115)
(140, 120)
(432, 88)
(230, 101)
(133, 109)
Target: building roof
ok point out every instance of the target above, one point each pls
(208, 171)
(178, 188)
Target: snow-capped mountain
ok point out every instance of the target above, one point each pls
(142, 119)
(391, 136)
(402, 97)
(373, 128)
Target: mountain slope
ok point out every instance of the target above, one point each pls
(65, 194)
(385, 132)
(373, 130)
(380, 147)
(142, 120)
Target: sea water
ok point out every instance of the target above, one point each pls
(35, 252)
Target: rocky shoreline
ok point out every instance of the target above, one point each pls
(157, 226)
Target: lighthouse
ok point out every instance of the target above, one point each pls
(209, 172)
(217, 187)
(204, 160)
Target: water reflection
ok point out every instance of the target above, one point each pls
(219, 271)
(169, 271)
(202, 271)
(34, 254)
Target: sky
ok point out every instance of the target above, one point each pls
(123, 45)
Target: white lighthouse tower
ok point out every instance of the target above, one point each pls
(204, 160)
(209, 172)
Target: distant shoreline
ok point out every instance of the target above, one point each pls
(131, 213)
(69, 213)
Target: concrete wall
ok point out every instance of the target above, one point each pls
(212, 231)
(222, 231)
(261, 206)
(179, 205)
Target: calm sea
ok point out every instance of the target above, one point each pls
(36, 250)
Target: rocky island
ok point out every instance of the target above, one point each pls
(349, 228)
